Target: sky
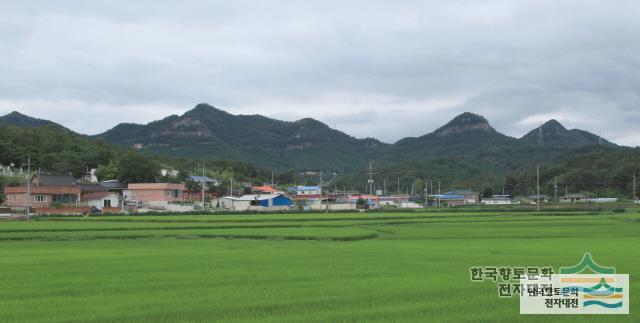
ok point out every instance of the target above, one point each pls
(382, 69)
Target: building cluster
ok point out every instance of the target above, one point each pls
(59, 194)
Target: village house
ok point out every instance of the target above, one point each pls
(101, 200)
(42, 196)
(154, 192)
(459, 197)
(306, 190)
(498, 200)
(395, 200)
(573, 198)
(263, 202)
(45, 190)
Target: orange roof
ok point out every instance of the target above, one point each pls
(264, 189)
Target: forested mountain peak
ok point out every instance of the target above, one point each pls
(464, 122)
(18, 119)
(553, 134)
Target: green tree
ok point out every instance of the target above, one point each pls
(107, 172)
(137, 168)
(488, 192)
(418, 186)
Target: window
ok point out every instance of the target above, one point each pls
(107, 203)
(64, 198)
(39, 198)
(172, 193)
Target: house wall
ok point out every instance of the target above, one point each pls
(147, 192)
(149, 195)
(573, 200)
(18, 200)
(16, 196)
(99, 203)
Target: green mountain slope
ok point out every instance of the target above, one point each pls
(466, 151)
(552, 134)
(209, 132)
(20, 120)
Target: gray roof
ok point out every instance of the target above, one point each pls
(55, 180)
(90, 188)
(113, 185)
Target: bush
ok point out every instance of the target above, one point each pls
(56, 205)
(619, 210)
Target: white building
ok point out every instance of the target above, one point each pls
(263, 202)
(101, 200)
(498, 200)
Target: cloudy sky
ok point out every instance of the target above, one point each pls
(383, 69)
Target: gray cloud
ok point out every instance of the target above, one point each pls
(369, 68)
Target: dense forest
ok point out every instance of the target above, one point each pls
(56, 150)
(465, 153)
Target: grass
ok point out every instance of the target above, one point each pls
(296, 267)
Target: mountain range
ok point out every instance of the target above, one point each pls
(308, 144)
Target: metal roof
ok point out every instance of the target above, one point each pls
(203, 179)
(55, 180)
(255, 197)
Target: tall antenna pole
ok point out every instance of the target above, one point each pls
(538, 184)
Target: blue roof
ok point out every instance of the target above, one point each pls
(307, 188)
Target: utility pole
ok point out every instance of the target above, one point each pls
(321, 191)
(538, 184)
(555, 188)
(438, 194)
(272, 180)
(202, 182)
(28, 199)
(231, 187)
(635, 198)
(370, 181)
(398, 185)
(426, 192)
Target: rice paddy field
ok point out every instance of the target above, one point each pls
(351, 267)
